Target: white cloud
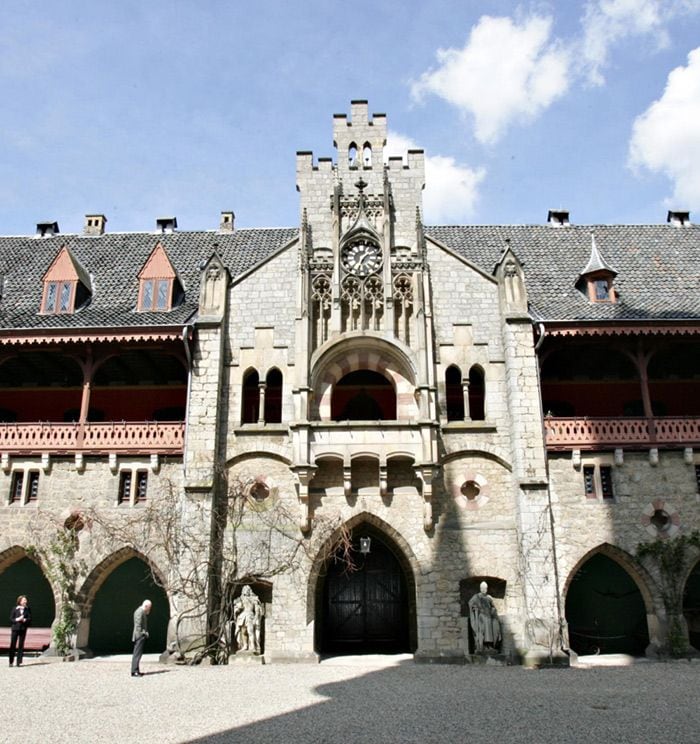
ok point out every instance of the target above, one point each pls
(608, 22)
(666, 137)
(451, 190)
(506, 72)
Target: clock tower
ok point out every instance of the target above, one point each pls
(362, 251)
(363, 323)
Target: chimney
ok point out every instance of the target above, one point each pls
(166, 224)
(558, 217)
(46, 229)
(678, 219)
(94, 224)
(227, 220)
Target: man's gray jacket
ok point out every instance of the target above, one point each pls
(140, 624)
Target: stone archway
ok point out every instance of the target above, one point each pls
(369, 606)
(606, 605)
(691, 605)
(114, 589)
(19, 574)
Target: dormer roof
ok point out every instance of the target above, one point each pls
(66, 267)
(596, 263)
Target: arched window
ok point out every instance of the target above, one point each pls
(352, 155)
(367, 155)
(251, 398)
(363, 395)
(454, 395)
(477, 394)
(273, 397)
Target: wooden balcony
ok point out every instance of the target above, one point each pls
(120, 437)
(625, 433)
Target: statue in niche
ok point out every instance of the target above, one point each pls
(484, 621)
(248, 613)
(513, 283)
(213, 287)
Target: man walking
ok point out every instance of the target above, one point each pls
(139, 636)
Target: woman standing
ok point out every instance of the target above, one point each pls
(20, 619)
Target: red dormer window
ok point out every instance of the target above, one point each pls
(66, 285)
(158, 283)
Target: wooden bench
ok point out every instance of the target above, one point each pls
(37, 639)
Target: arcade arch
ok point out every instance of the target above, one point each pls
(385, 370)
(607, 604)
(373, 607)
(19, 574)
(109, 596)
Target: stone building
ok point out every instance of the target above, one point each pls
(510, 404)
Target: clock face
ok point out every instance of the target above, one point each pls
(361, 258)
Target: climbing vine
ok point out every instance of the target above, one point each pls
(58, 558)
(671, 559)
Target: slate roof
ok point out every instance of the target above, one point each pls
(658, 270)
(658, 267)
(113, 261)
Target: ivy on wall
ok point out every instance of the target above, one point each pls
(671, 557)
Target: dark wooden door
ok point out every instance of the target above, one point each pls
(365, 610)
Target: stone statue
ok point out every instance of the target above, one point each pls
(513, 283)
(248, 613)
(484, 621)
(212, 293)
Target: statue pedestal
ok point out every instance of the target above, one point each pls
(488, 659)
(246, 657)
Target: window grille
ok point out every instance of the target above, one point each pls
(17, 486)
(124, 496)
(33, 486)
(589, 481)
(606, 485)
(141, 486)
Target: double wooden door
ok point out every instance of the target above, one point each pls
(366, 609)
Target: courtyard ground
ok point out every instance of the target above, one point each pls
(358, 699)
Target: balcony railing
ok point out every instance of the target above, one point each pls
(590, 433)
(127, 437)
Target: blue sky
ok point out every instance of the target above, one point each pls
(145, 108)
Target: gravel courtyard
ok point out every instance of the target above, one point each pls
(348, 700)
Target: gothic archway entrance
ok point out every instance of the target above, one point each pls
(365, 607)
(605, 610)
(691, 606)
(111, 619)
(25, 577)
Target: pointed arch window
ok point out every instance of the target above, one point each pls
(66, 285)
(367, 155)
(159, 287)
(477, 394)
(454, 395)
(273, 397)
(251, 397)
(352, 155)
